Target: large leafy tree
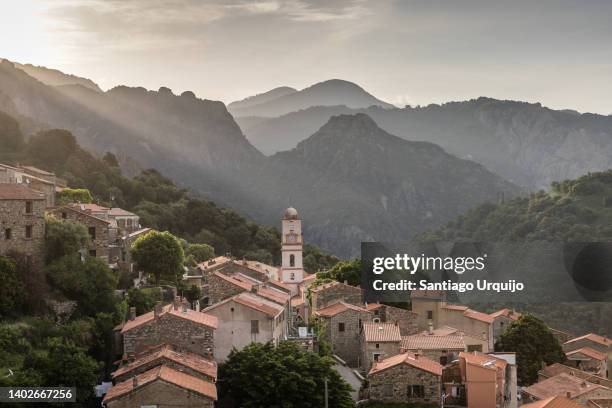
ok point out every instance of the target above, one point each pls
(349, 271)
(200, 252)
(533, 343)
(160, 255)
(287, 377)
(63, 238)
(11, 289)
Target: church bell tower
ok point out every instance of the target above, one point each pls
(292, 270)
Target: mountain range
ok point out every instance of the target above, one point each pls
(283, 100)
(351, 179)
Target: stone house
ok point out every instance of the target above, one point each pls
(221, 286)
(22, 221)
(327, 294)
(162, 386)
(34, 178)
(501, 320)
(379, 341)
(123, 254)
(558, 368)
(342, 324)
(442, 349)
(405, 378)
(246, 318)
(576, 389)
(596, 342)
(170, 356)
(100, 233)
(406, 320)
(173, 324)
(558, 402)
(589, 360)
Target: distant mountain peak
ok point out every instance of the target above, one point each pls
(54, 77)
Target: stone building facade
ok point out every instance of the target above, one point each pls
(333, 292)
(174, 324)
(405, 378)
(220, 287)
(100, 233)
(342, 324)
(379, 341)
(405, 319)
(22, 221)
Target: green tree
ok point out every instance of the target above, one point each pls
(90, 283)
(143, 299)
(51, 148)
(11, 289)
(63, 238)
(288, 377)
(74, 195)
(200, 252)
(349, 271)
(533, 343)
(192, 293)
(160, 255)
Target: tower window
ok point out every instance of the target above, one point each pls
(28, 208)
(28, 231)
(291, 260)
(8, 233)
(292, 276)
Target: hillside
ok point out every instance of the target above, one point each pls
(54, 77)
(578, 210)
(262, 97)
(526, 143)
(327, 93)
(354, 182)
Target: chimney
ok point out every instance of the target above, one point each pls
(157, 309)
(134, 382)
(132, 313)
(568, 395)
(345, 282)
(176, 303)
(184, 306)
(430, 328)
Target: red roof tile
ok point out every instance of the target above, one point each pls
(381, 332)
(554, 402)
(430, 342)
(274, 295)
(506, 312)
(258, 303)
(192, 315)
(233, 280)
(596, 338)
(589, 352)
(484, 360)
(19, 192)
(560, 385)
(419, 362)
(167, 374)
(337, 308)
(187, 359)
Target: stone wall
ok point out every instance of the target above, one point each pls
(13, 216)
(220, 289)
(328, 296)
(172, 330)
(407, 320)
(391, 385)
(161, 395)
(385, 350)
(102, 231)
(347, 344)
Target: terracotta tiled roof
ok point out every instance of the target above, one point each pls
(554, 402)
(484, 360)
(557, 368)
(596, 338)
(333, 284)
(429, 342)
(297, 300)
(91, 207)
(381, 332)
(279, 284)
(192, 315)
(337, 308)
(37, 170)
(506, 312)
(447, 331)
(258, 303)
(560, 385)
(259, 267)
(19, 192)
(76, 210)
(483, 317)
(274, 295)
(214, 263)
(460, 308)
(167, 374)
(187, 359)
(233, 280)
(139, 232)
(373, 306)
(120, 212)
(410, 359)
(589, 352)
(428, 294)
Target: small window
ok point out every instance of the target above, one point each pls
(430, 314)
(376, 356)
(28, 207)
(28, 231)
(377, 345)
(292, 260)
(92, 232)
(292, 275)
(8, 233)
(340, 327)
(443, 360)
(64, 215)
(376, 320)
(254, 326)
(92, 252)
(416, 391)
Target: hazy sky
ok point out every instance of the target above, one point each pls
(555, 52)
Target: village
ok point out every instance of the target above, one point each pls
(434, 352)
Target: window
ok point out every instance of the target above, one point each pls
(64, 216)
(92, 232)
(8, 233)
(291, 260)
(92, 252)
(254, 326)
(28, 231)
(376, 320)
(388, 390)
(416, 391)
(443, 360)
(340, 327)
(377, 345)
(430, 314)
(376, 356)
(28, 207)
(292, 276)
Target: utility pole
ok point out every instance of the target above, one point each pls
(326, 396)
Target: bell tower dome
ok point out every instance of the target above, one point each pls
(292, 270)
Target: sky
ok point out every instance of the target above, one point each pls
(558, 53)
